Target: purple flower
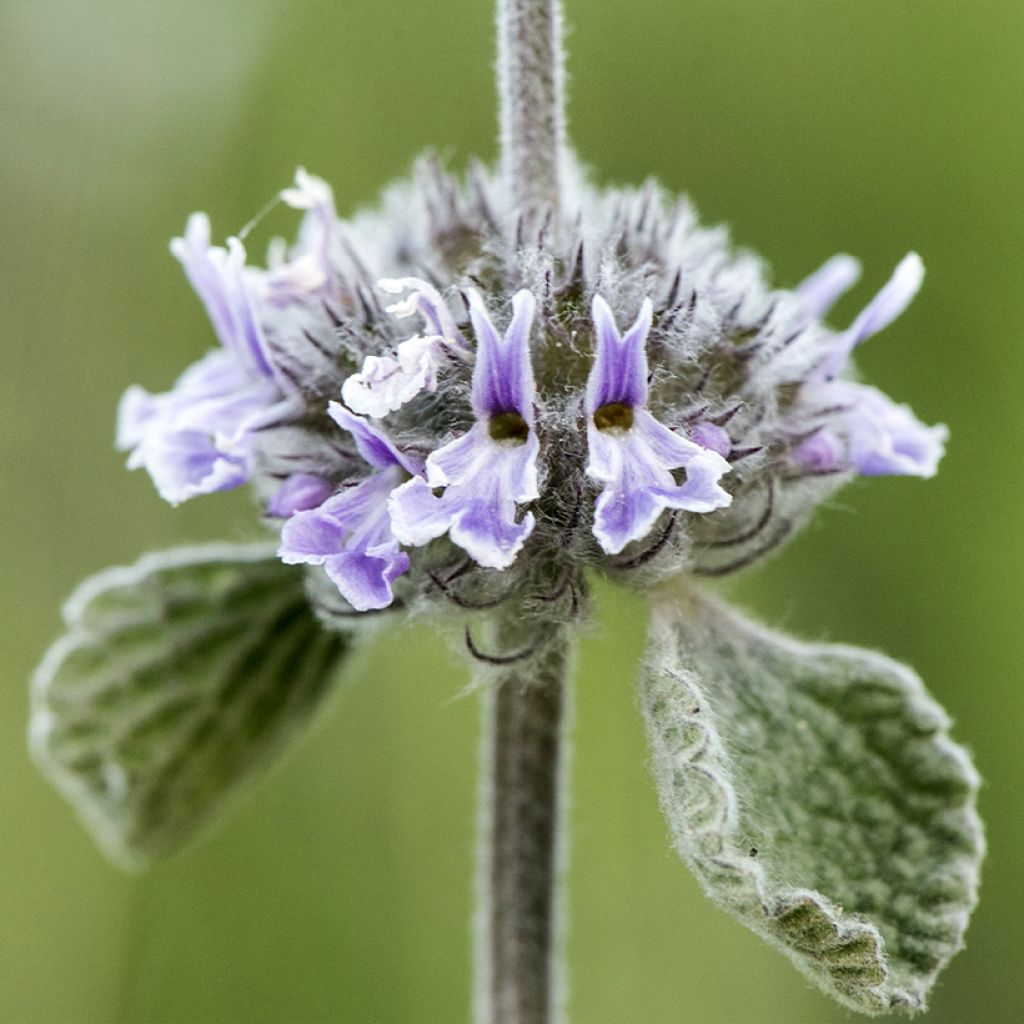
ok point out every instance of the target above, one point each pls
(299, 492)
(631, 453)
(885, 438)
(229, 294)
(881, 437)
(893, 298)
(866, 430)
(350, 533)
(196, 438)
(386, 383)
(310, 264)
(488, 472)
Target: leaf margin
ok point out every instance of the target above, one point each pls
(79, 634)
(843, 938)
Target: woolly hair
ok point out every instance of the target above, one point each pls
(724, 350)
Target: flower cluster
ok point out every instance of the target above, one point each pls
(621, 391)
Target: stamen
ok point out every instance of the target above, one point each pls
(613, 416)
(508, 426)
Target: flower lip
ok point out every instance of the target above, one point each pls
(633, 456)
(476, 484)
(349, 533)
(385, 383)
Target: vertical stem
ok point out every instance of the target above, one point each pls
(525, 698)
(524, 762)
(532, 98)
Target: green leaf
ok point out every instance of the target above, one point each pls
(814, 791)
(179, 678)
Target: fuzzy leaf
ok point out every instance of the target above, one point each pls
(814, 791)
(179, 677)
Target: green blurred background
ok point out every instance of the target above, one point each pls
(341, 890)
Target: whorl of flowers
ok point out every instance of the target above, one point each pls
(453, 415)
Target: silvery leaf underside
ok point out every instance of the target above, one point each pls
(178, 679)
(814, 791)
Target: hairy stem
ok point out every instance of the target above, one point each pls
(524, 762)
(531, 92)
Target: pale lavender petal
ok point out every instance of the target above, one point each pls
(217, 374)
(385, 383)
(888, 439)
(484, 481)
(619, 373)
(195, 438)
(187, 464)
(204, 268)
(624, 515)
(427, 302)
(299, 492)
(364, 579)
(632, 480)
(891, 300)
(869, 433)
(350, 535)
(373, 444)
(669, 449)
(248, 338)
(458, 459)
(310, 265)
(218, 276)
(309, 537)
(886, 306)
(634, 467)
(819, 292)
(503, 374)
(233, 417)
(135, 413)
(417, 515)
(485, 531)
(701, 491)
(363, 509)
